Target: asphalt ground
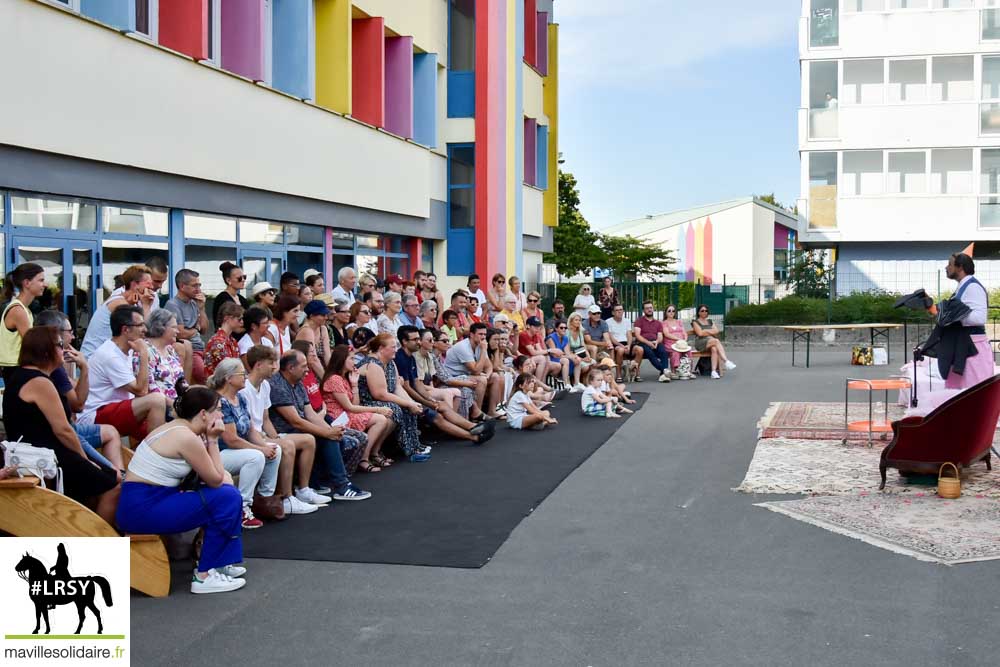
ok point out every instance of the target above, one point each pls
(643, 556)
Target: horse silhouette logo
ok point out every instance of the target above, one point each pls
(48, 588)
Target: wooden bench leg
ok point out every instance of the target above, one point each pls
(150, 566)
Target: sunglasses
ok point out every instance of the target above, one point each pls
(671, 310)
(365, 311)
(532, 300)
(561, 327)
(240, 279)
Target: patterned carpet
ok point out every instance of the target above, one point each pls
(821, 421)
(927, 528)
(827, 467)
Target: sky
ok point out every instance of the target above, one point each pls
(669, 104)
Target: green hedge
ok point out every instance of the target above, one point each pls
(856, 308)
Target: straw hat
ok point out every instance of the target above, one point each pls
(681, 346)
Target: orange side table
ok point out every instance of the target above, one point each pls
(871, 426)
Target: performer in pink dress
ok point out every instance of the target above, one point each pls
(972, 293)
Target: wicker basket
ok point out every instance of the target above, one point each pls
(949, 487)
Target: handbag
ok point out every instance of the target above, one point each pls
(30, 460)
(268, 507)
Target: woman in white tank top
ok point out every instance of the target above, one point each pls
(152, 503)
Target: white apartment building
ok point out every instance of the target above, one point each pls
(899, 138)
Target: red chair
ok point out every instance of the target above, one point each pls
(959, 431)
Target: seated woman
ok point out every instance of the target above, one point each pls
(361, 315)
(674, 332)
(451, 393)
(242, 449)
(521, 409)
(76, 389)
(285, 314)
(558, 343)
(340, 394)
(379, 386)
(707, 341)
(152, 503)
(314, 330)
(165, 368)
(38, 414)
(576, 350)
(512, 311)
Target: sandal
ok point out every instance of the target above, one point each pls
(381, 461)
(366, 466)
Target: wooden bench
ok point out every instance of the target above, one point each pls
(804, 332)
(28, 509)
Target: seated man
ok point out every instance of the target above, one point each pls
(531, 343)
(437, 413)
(622, 338)
(291, 412)
(189, 307)
(596, 335)
(648, 332)
(558, 315)
(118, 396)
(471, 356)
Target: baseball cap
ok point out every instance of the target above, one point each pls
(395, 278)
(594, 309)
(533, 322)
(316, 307)
(262, 286)
(309, 272)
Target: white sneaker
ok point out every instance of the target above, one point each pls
(663, 378)
(307, 495)
(730, 365)
(293, 505)
(216, 582)
(579, 387)
(232, 571)
(715, 375)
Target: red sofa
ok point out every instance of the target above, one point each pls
(959, 431)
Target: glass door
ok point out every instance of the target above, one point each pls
(262, 265)
(71, 276)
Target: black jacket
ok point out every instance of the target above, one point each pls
(950, 342)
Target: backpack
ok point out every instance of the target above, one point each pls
(30, 460)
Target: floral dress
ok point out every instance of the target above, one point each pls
(338, 384)
(406, 422)
(165, 370)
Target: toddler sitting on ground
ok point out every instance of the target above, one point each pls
(615, 389)
(521, 409)
(593, 401)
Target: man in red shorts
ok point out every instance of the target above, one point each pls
(118, 396)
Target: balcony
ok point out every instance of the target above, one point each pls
(900, 125)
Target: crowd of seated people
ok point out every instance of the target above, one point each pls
(292, 391)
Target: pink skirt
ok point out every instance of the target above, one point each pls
(977, 368)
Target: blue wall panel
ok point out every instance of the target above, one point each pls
(119, 13)
(292, 47)
(461, 94)
(542, 162)
(425, 99)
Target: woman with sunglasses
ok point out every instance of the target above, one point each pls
(673, 331)
(584, 300)
(361, 315)
(534, 308)
(707, 340)
(314, 330)
(496, 294)
(558, 344)
(608, 298)
(235, 281)
(264, 296)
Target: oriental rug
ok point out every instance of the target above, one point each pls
(823, 421)
(927, 528)
(828, 467)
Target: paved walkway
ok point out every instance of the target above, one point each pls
(642, 557)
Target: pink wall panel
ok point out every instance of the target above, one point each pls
(399, 86)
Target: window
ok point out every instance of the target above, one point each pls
(824, 24)
(989, 206)
(864, 82)
(146, 17)
(862, 173)
(907, 4)
(307, 235)
(991, 20)
(864, 6)
(208, 227)
(53, 214)
(822, 190)
(461, 209)
(461, 36)
(953, 4)
(134, 221)
(951, 171)
(214, 29)
(990, 112)
(907, 173)
(907, 81)
(823, 102)
(252, 231)
(952, 79)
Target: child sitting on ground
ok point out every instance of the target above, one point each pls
(614, 389)
(541, 395)
(521, 409)
(593, 401)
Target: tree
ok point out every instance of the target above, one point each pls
(809, 276)
(574, 245)
(630, 258)
(770, 199)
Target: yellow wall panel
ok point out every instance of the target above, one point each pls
(333, 55)
(550, 87)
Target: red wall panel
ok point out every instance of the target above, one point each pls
(530, 33)
(184, 27)
(368, 70)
